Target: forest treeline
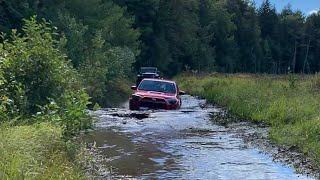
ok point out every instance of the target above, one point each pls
(226, 36)
(106, 40)
(97, 37)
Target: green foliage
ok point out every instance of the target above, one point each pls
(225, 36)
(200, 35)
(247, 36)
(218, 29)
(69, 112)
(75, 32)
(314, 85)
(145, 14)
(7, 107)
(289, 104)
(291, 40)
(293, 80)
(35, 74)
(102, 39)
(101, 43)
(103, 69)
(36, 152)
(97, 34)
(13, 11)
(33, 63)
(42, 105)
(178, 25)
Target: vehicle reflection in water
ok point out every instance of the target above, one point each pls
(181, 144)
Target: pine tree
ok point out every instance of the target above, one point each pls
(269, 25)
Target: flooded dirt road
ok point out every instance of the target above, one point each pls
(182, 144)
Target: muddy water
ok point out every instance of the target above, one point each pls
(181, 144)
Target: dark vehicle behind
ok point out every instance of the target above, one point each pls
(147, 72)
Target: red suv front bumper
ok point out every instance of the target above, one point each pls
(152, 103)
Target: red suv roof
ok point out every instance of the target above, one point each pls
(159, 80)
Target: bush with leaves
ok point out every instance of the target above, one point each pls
(69, 112)
(105, 67)
(36, 73)
(7, 107)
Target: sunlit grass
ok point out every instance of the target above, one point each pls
(289, 104)
(35, 152)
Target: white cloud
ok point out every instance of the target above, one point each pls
(313, 11)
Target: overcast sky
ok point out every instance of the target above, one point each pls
(306, 6)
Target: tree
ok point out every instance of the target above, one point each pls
(178, 24)
(218, 30)
(269, 25)
(145, 13)
(13, 11)
(312, 39)
(76, 33)
(33, 63)
(247, 36)
(268, 20)
(291, 25)
(101, 44)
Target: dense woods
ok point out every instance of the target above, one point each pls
(204, 35)
(225, 35)
(105, 41)
(104, 37)
(98, 38)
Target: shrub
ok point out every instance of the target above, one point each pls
(69, 113)
(35, 76)
(34, 63)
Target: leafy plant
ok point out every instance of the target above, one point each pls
(69, 113)
(36, 78)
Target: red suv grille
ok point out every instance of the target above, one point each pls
(158, 100)
(153, 105)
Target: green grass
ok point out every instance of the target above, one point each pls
(36, 152)
(289, 104)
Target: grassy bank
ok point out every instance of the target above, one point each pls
(37, 152)
(42, 106)
(289, 104)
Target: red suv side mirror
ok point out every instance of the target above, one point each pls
(182, 93)
(134, 87)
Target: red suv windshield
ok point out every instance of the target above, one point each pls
(157, 86)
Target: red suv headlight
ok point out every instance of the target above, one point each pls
(136, 97)
(172, 101)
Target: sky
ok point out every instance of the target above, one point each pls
(306, 6)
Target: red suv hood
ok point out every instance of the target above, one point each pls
(154, 94)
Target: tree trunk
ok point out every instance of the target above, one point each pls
(306, 57)
(279, 67)
(294, 57)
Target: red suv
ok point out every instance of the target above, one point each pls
(156, 94)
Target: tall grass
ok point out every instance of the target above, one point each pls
(289, 104)
(36, 152)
